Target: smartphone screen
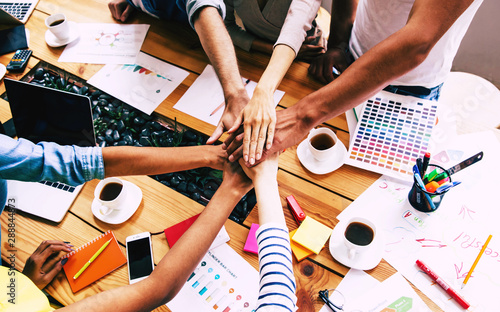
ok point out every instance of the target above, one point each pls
(139, 258)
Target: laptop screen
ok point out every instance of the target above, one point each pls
(45, 114)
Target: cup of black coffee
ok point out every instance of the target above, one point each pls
(322, 143)
(110, 193)
(359, 234)
(58, 26)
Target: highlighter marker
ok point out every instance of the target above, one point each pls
(193, 274)
(198, 281)
(204, 289)
(294, 206)
(212, 295)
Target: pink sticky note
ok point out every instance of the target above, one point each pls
(251, 243)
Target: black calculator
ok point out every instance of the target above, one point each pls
(19, 60)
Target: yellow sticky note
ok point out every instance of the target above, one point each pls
(312, 234)
(299, 252)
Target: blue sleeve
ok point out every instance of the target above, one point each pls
(25, 161)
(192, 6)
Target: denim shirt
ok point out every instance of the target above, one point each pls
(23, 160)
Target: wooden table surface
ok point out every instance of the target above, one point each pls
(322, 197)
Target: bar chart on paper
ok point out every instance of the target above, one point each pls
(391, 133)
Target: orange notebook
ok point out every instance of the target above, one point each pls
(109, 260)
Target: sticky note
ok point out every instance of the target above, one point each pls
(298, 251)
(251, 243)
(312, 234)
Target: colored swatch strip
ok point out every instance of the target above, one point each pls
(391, 135)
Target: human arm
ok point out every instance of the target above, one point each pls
(342, 19)
(277, 281)
(172, 271)
(25, 161)
(219, 49)
(44, 264)
(393, 57)
(120, 9)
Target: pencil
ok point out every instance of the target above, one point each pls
(224, 102)
(92, 259)
(476, 261)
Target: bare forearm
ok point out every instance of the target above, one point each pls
(128, 160)
(342, 19)
(219, 49)
(279, 64)
(268, 199)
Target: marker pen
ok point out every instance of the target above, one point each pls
(443, 285)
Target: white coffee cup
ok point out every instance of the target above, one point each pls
(58, 25)
(322, 143)
(359, 235)
(110, 193)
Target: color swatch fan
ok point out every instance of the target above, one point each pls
(392, 132)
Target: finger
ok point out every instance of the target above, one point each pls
(126, 13)
(247, 137)
(53, 249)
(270, 135)
(112, 9)
(216, 134)
(230, 139)
(43, 245)
(236, 144)
(261, 141)
(49, 275)
(328, 71)
(237, 124)
(236, 155)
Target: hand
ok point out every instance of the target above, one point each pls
(216, 156)
(259, 121)
(120, 9)
(234, 176)
(310, 50)
(290, 130)
(267, 169)
(44, 264)
(232, 110)
(321, 67)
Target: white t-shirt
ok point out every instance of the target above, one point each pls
(378, 19)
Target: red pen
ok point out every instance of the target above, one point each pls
(450, 291)
(294, 206)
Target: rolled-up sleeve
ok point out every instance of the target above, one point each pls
(192, 6)
(298, 21)
(25, 161)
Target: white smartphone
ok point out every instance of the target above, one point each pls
(139, 257)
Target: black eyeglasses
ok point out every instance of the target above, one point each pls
(335, 302)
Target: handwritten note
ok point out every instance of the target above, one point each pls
(449, 239)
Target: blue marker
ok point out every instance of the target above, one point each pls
(447, 186)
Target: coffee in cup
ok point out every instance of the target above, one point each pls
(322, 143)
(359, 234)
(110, 193)
(58, 26)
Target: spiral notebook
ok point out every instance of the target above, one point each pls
(109, 260)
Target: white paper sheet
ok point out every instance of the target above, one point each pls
(222, 280)
(105, 43)
(449, 239)
(206, 95)
(143, 85)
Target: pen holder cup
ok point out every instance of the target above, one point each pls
(417, 195)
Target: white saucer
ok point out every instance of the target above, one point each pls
(368, 260)
(53, 42)
(3, 70)
(132, 202)
(321, 167)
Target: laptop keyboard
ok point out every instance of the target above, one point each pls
(60, 186)
(17, 10)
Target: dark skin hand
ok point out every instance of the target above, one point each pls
(321, 67)
(44, 264)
